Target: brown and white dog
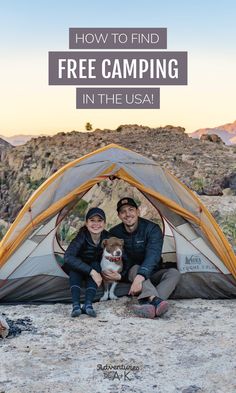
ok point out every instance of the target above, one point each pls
(111, 260)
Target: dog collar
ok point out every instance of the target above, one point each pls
(113, 259)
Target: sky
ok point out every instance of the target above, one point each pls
(30, 29)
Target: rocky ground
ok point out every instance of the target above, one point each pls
(190, 349)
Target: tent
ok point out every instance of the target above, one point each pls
(29, 270)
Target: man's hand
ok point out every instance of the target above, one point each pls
(96, 277)
(109, 275)
(136, 286)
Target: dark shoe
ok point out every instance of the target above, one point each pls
(76, 312)
(144, 310)
(88, 309)
(160, 305)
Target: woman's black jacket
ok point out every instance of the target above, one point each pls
(82, 253)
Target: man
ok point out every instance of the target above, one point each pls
(143, 242)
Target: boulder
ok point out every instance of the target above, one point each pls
(212, 190)
(4, 328)
(211, 138)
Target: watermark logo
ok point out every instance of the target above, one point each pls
(119, 372)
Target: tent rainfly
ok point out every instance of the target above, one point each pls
(192, 239)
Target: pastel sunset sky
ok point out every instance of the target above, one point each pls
(30, 29)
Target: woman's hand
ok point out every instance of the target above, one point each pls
(96, 277)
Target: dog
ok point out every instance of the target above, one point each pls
(111, 260)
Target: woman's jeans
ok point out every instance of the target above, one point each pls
(76, 281)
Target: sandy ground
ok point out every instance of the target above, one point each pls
(190, 349)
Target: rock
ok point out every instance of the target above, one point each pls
(192, 389)
(228, 192)
(232, 182)
(212, 190)
(211, 138)
(229, 181)
(189, 159)
(4, 327)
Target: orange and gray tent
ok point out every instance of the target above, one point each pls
(29, 270)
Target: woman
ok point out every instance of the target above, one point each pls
(82, 260)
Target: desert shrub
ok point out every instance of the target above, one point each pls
(80, 208)
(34, 184)
(88, 126)
(66, 233)
(228, 226)
(198, 184)
(71, 224)
(3, 231)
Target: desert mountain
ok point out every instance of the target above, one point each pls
(204, 166)
(226, 132)
(17, 140)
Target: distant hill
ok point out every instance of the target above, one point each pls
(206, 167)
(17, 140)
(226, 132)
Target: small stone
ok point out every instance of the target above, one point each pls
(192, 389)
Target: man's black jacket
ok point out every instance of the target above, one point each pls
(142, 247)
(82, 252)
